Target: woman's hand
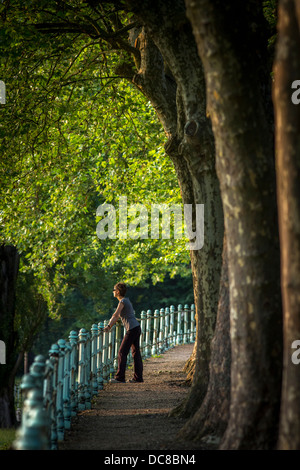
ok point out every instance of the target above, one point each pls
(107, 328)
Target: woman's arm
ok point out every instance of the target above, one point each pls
(115, 317)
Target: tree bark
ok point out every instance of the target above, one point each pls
(287, 124)
(9, 260)
(210, 420)
(232, 49)
(171, 76)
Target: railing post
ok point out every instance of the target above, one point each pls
(155, 332)
(186, 324)
(117, 342)
(73, 337)
(94, 333)
(37, 370)
(143, 330)
(27, 384)
(105, 354)
(66, 384)
(54, 357)
(33, 433)
(179, 327)
(100, 356)
(172, 324)
(193, 332)
(110, 361)
(167, 325)
(161, 347)
(81, 370)
(48, 395)
(59, 396)
(129, 357)
(113, 349)
(148, 335)
(87, 360)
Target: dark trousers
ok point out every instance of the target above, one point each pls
(130, 340)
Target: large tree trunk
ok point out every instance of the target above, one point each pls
(287, 118)
(170, 74)
(232, 53)
(9, 260)
(206, 265)
(210, 421)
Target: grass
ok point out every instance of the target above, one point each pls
(7, 437)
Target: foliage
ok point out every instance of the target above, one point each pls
(75, 135)
(270, 13)
(7, 437)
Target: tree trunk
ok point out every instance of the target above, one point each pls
(206, 264)
(228, 35)
(9, 259)
(210, 421)
(170, 74)
(287, 118)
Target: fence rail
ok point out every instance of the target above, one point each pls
(57, 388)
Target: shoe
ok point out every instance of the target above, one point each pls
(133, 381)
(116, 381)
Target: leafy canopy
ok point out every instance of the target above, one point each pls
(74, 135)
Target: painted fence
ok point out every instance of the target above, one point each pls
(57, 388)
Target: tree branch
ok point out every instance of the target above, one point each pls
(154, 83)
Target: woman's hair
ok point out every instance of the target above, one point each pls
(121, 288)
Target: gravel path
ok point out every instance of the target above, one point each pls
(135, 416)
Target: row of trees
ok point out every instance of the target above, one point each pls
(209, 70)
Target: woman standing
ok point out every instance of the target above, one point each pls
(131, 339)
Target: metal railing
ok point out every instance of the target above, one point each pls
(57, 388)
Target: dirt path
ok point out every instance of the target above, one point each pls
(135, 416)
